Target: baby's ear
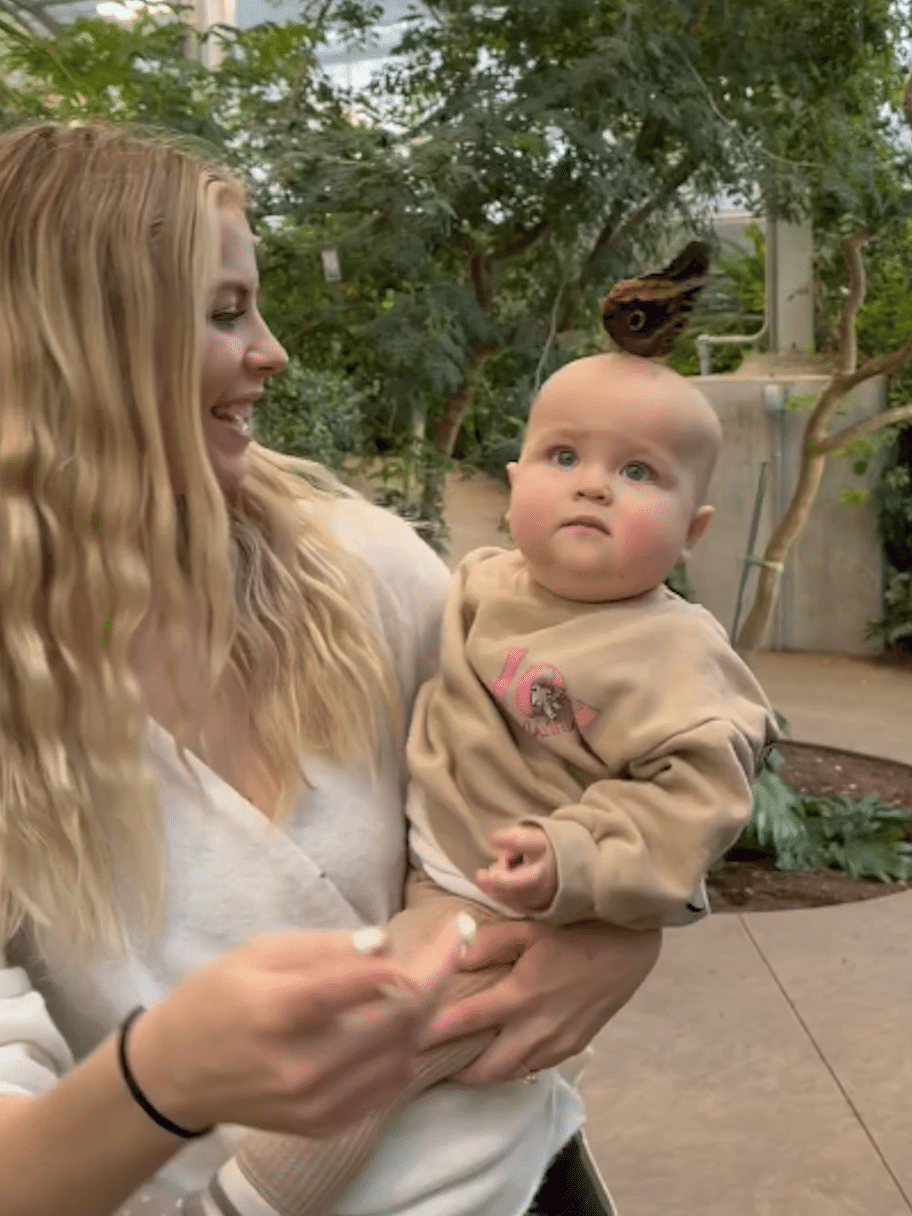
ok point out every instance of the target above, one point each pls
(511, 472)
(698, 526)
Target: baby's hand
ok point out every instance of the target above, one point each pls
(524, 876)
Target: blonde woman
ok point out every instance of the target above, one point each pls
(206, 667)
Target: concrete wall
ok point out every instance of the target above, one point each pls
(832, 584)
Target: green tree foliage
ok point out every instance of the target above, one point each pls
(511, 162)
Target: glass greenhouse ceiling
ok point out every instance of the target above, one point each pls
(247, 13)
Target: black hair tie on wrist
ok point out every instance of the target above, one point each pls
(137, 1094)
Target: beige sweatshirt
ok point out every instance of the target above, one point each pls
(628, 731)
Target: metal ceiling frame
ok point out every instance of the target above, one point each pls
(31, 16)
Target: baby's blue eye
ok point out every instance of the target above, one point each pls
(636, 471)
(564, 458)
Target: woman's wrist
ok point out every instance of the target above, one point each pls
(103, 1147)
(138, 1094)
(154, 1064)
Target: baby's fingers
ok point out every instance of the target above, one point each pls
(500, 884)
(520, 841)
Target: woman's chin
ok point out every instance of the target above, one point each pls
(230, 472)
(228, 445)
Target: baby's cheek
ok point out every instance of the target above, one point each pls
(643, 531)
(528, 514)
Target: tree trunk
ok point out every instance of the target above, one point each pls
(447, 432)
(815, 447)
(777, 550)
(454, 410)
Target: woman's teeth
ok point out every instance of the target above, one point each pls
(238, 421)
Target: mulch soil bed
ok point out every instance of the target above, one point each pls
(751, 884)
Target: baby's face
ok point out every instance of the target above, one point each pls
(607, 494)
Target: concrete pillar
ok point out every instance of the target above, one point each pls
(790, 287)
(207, 13)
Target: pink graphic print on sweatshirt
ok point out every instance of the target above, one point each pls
(541, 699)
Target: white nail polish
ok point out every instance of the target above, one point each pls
(369, 940)
(396, 993)
(467, 928)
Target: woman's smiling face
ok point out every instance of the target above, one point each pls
(240, 352)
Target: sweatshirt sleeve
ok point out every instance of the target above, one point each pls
(33, 1053)
(634, 850)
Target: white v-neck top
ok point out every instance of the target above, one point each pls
(337, 861)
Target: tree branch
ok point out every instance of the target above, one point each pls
(480, 270)
(816, 437)
(870, 426)
(816, 444)
(674, 183)
(648, 136)
(855, 298)
(521, 243)
(616, 225)
(454, 408)
(693, 25)
(650, 129)
(605, 234)
(883, 365)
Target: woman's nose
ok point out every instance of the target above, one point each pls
(268, 356)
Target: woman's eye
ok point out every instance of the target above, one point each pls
(636, 471)
(226, 317)
(564, 458)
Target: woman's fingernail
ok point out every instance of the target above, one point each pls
(369, 940)
(467, 929)
(397, 992)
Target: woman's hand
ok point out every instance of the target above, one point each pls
(566, 984)
(298, 1033)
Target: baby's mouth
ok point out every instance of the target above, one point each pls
(587, 521)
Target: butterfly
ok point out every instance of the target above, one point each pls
(645, 315)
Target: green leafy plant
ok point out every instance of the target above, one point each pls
(313, 414)
(894, 629)
(893, 503)
(866, 838)
(776, 826)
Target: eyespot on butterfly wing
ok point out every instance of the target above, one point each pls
(645, 315)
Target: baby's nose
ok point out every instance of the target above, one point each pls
(595, 487)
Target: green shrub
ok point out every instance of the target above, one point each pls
(894, 628)
(314, 414)
(776, 827)
(866, 838)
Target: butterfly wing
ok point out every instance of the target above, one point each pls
(645, 315)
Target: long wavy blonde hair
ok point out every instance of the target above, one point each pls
(108, 255)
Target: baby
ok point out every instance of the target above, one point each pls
(587, 750)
